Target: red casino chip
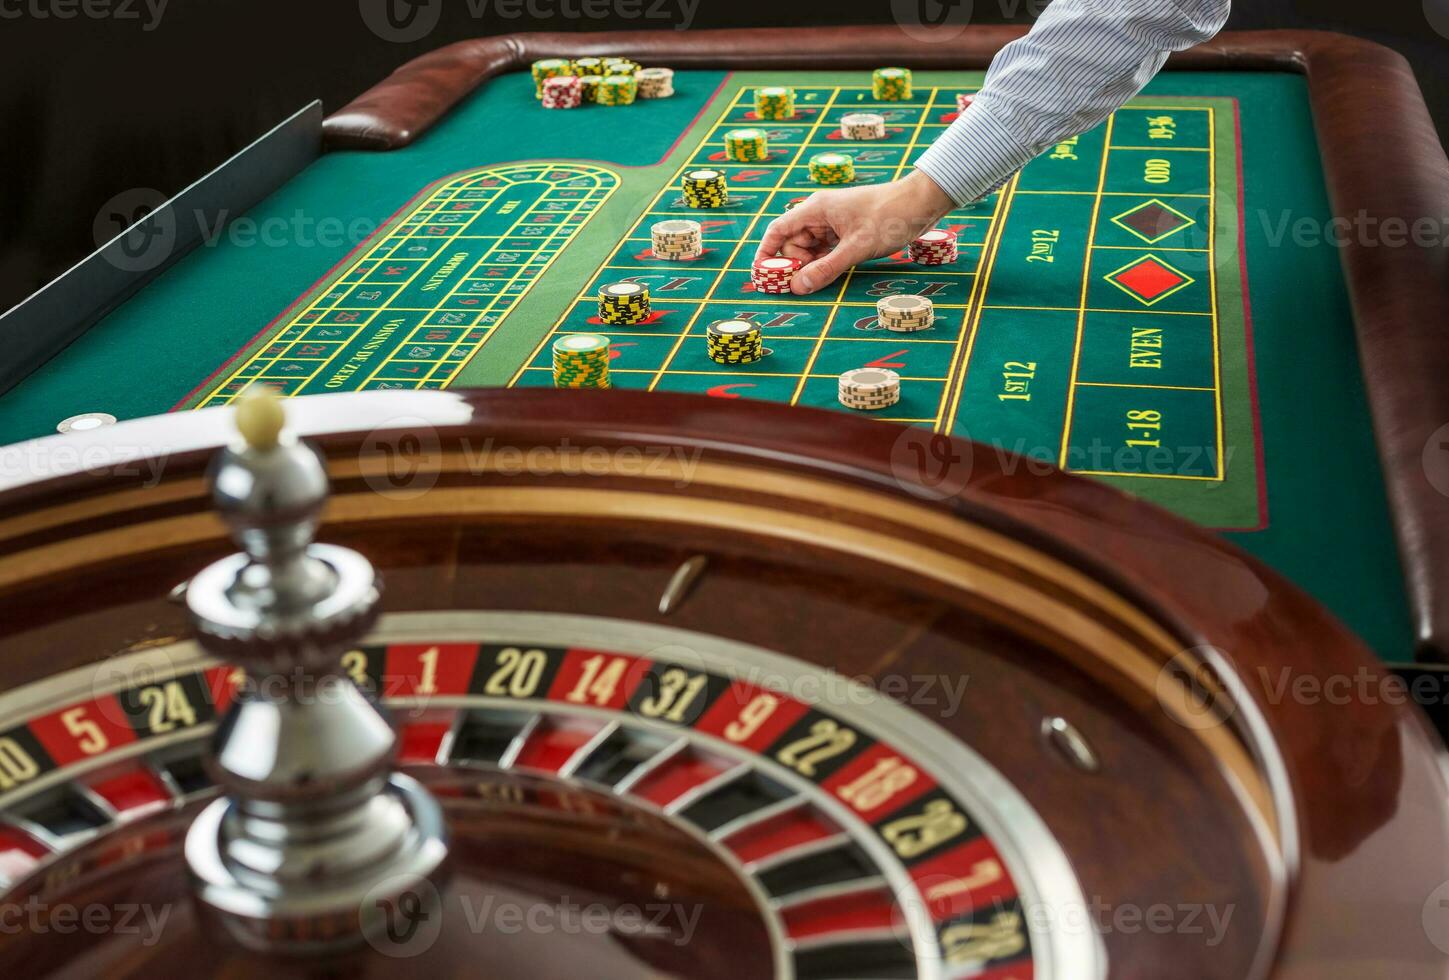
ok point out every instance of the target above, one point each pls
(935, 247)
(773, 275)
(563, 92)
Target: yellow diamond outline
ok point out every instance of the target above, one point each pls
(1187, 280)
(1167, 234)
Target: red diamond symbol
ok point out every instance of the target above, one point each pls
(1149, 279)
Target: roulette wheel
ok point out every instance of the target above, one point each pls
(617, 684)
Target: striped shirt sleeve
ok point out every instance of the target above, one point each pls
(1082, 61)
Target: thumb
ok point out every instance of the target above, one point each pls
(826, 269)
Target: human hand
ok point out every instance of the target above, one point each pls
(836, 229)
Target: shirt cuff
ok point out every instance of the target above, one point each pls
(974, 156)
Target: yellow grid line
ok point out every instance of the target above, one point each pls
(1095, 309)
(1112, 193)
(745, 370)
(1155, 248)
(962, 366)
(1118, 384)
(1168, 148)
(905, 161)
(1082, 309)
(1148, 476)
(1222, 473)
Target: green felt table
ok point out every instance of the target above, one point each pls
(1129, 307)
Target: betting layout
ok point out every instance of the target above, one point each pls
(1090, 314)
(419, 298)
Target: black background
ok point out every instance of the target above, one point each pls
(91, 107)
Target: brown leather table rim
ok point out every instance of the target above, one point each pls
(1365, 102)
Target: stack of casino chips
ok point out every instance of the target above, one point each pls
(735, 342)
(581, 360)
(832, 168)
(617, 90)
(706, 189)
(863, 126)
(588, 66)
(677, 239)
(773, 275)
(620, 66)
(624, 303)
(906, 313)
(655, 83)
(589, 87)
(935, 247)
(891, 84)
(963, 101)
(747, 145)
(868, 389)
(562, 92)
(549, 68)
(775, 103)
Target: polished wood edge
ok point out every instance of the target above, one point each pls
(1365, 102)
(1399, 294)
